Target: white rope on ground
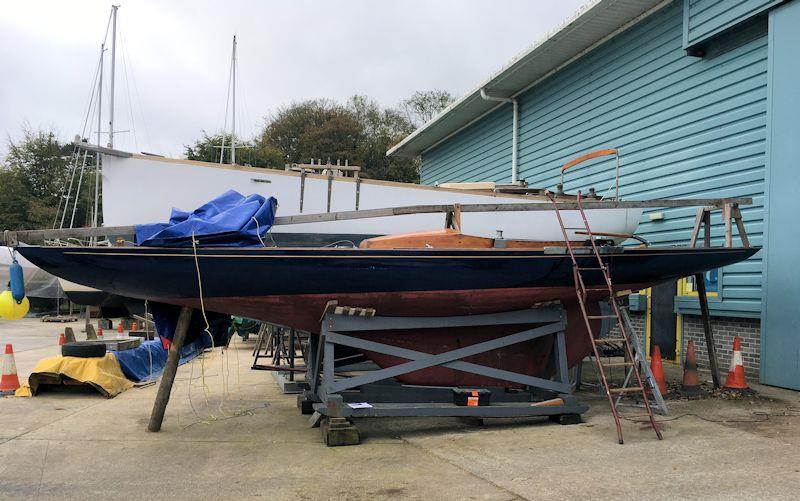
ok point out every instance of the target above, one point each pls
(238, 368)
(207, 328)
(225, 369)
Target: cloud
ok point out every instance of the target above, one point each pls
(177, 54)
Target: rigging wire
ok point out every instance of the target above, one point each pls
(69, 176)
(225, 121)
(127, 61)
(250, 131)
(78, 190)
(128, 95)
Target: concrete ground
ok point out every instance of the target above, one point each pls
(229, 433)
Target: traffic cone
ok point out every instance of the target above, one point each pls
(657, 368)
(62, 339)
(120, 330)
(691, 378)
(99, 332)
(736, 379)
(9, 382)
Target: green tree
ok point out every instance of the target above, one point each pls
(360, 132)
(319, 129)
(382, 128)
(422, 106)
(32, 181)
(207, 149)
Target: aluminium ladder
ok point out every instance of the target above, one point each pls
(581, 291)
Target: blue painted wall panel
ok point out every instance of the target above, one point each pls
(685, 127)
(780, 344)
(486, 145)
(706, 18)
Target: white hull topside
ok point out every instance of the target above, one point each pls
(143, 189)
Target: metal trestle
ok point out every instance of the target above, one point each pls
(642, 384)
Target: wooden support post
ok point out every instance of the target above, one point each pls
(698, 222)
(710, 346)
(703, 219)
(453, 218)
(726, 217)
(87, 320)
(170, 369)
(737, 217)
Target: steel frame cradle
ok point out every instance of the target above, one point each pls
(328, 393)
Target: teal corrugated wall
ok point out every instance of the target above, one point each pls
(706, 18)
(478, 149)
(686, 128)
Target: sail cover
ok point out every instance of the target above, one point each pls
(230, 220)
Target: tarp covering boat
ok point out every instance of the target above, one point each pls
(230, 220)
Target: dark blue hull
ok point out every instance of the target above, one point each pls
(246, 272)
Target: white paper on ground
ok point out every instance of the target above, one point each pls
(360, 405)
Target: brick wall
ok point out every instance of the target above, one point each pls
(637, 319)
(725, 328)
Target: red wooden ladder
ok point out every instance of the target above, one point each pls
(597, 264)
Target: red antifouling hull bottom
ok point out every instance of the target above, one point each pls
(534, 358)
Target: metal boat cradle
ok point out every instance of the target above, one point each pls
(373, 393)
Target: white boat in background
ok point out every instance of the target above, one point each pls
(38, 283)
(144, 188)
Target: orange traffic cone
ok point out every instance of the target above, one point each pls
(120, 330)
(657, 368)
(691, 378)
(99, 332)
(62, 339)
(736, 379)
(9, 382)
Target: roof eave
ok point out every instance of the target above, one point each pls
(471, 107)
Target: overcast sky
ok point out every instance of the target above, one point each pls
(177, 55)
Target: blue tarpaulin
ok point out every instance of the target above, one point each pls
(146, 362)
(230, 220)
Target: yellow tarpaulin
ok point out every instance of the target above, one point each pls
(103, 374)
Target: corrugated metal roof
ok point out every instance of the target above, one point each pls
(594, 23)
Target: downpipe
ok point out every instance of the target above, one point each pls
(514, 131)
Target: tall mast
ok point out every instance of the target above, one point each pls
(113, 72)
(233, 124)
(99, 131)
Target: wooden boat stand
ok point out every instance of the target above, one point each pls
(335, 399)
(730, 214)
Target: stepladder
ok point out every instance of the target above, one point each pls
(592, 278)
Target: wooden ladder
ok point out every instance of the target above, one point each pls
(581, 291)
